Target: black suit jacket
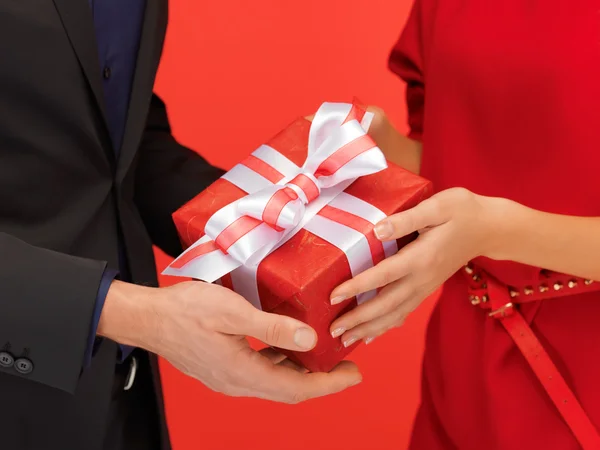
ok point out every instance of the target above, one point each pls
(63, 200)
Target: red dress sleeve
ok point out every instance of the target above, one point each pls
(406, 61)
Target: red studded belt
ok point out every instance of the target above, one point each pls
(502, 302)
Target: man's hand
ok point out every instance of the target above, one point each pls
(201, 329)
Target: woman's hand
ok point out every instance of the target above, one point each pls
(454, 227)
(396, 147)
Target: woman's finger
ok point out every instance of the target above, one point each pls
(381, 325)
(387, 301)
(427, 214)
(386, 272)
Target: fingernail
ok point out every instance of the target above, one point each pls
(338, 332)
(383, 230)
(349, 342)
(339, 299)
(357, 382)
(305, 338)
(369, 340)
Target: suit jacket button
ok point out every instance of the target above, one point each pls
(23, 366)
(6, 360)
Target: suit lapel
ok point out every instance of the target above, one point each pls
(77, 19)
(78, 22)
(153, 32)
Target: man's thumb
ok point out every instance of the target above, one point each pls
(281, 331)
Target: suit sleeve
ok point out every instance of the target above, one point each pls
(167, 176)
(46, 306)
(407, 60)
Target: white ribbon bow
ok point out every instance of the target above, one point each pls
(249, 229)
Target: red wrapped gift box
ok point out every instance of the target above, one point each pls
(297, 278)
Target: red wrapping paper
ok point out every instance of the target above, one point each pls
(297, 279)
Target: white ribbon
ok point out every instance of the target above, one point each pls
(330, 132)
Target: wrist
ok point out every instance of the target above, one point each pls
(505, 222)
(128, 315)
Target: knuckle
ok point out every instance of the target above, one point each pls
(226, 317)
(360, 284)
(273, 333)
(387, 273)
(435, 206)
(211, 322)
(460, 196)
(228, 320)
(461, 192)
(409, 222)
(387, 277)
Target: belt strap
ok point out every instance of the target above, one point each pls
(490, 293)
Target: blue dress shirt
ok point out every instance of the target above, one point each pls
(118, 26)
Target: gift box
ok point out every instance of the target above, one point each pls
(295, 219)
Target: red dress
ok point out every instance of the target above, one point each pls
(505, 96)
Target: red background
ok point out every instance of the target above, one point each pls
(234, 73)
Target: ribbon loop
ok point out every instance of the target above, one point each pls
(306, 186)
(339, 152)
(280, 207)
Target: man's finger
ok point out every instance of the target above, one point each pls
(293, 365)
(273, 355)
(277, 331)
(290, 386)
(280, 383)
